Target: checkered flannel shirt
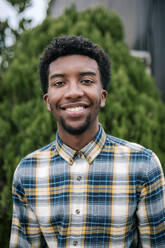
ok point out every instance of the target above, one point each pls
(109, 194)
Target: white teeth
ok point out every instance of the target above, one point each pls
(75, 109)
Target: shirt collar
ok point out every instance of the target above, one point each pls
(90, 151)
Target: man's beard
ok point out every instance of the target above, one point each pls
(83, 127)
(76, 131)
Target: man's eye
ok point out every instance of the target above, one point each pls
(58, 83)
(87, 81)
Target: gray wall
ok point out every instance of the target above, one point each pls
(144, 23)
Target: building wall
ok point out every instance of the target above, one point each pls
(158, 42)
(144, 22)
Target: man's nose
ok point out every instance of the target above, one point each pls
(74, 90)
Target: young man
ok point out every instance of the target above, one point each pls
(86, 188)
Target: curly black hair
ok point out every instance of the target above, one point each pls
(69, 45)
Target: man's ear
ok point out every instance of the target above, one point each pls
(104, 94)
(46, 100)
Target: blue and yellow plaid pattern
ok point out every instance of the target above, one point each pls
(109, 194)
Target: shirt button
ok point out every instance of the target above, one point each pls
(79, 154)
(75, 242)
(71, 161)
(77, 211)
(79, 178)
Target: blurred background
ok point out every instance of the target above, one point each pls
(130, 31)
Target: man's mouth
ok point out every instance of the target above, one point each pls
(75, 109)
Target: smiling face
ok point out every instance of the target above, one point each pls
(75, 94)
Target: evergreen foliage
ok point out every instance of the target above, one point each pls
(9, 33)
(134, 110)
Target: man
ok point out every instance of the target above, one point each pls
(86, 188)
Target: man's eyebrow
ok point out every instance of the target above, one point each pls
(56, 75)
(81, 74)
(87, 73)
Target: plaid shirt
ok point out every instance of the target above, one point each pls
(109, 194)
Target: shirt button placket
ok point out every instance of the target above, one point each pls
(79, 170)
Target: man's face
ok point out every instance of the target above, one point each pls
(75, 93)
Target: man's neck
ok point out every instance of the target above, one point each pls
(77, 142)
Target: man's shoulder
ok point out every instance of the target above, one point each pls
(45, 150)
(127, 146)
(39, 155)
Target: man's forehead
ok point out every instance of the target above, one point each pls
(76, 60)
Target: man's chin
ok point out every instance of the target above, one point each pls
(75, 130)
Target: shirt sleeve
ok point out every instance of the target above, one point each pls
(151, 207)
(25, 230)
